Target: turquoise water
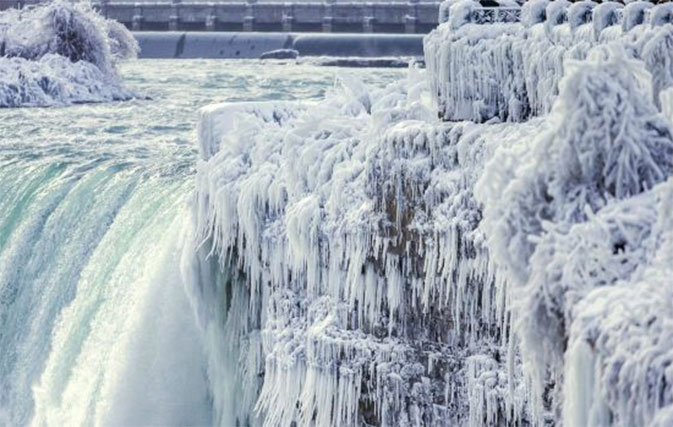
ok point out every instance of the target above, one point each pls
(95, 327)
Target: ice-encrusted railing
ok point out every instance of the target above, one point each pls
(491, 15)
(507, 62)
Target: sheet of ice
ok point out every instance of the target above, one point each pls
(348, 228)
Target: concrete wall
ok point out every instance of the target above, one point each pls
(253, 45)
(342, 16)
(411, 16)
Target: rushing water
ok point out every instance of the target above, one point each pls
(95, 326)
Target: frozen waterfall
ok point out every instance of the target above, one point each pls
(96, 327)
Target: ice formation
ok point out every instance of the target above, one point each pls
(359, 260)
(340, 241)
(60, 53)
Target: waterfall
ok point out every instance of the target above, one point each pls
(95, 326)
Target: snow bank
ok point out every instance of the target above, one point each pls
(359, 261)
(511, 70)
(60, 53)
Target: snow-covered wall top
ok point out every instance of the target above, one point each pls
(507, 62)
(61, 52)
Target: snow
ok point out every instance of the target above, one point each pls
(359, 260)
(61, 53)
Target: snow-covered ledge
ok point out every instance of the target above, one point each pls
(218, 121)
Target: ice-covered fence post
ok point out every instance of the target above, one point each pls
(556, 13)
(174, 18)
(411, 19)
(444, 12)
(288, 17)
(605, 15)
(461, 13)
(534, 12)
(580, 13)
(328, 16)
(634, 14)
(661, 14)
(249, 18)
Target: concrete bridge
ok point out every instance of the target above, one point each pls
(342, 16)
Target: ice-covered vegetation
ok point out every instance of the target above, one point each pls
(359, 261)
(59, 53)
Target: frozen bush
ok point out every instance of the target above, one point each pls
(32, 40)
